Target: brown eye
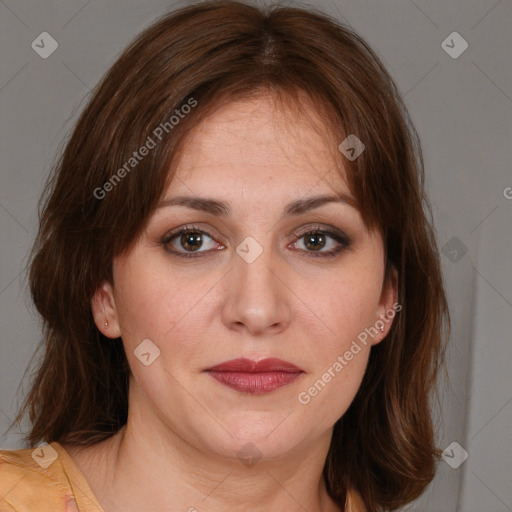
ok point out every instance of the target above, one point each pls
(189, 241)
(315, 240)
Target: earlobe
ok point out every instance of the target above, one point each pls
(104, 311)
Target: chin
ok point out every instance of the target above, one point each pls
(250, 439)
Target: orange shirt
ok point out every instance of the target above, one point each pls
(26, 485)
(46, 479)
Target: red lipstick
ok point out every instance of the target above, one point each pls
(254, 377)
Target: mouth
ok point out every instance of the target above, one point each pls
(255, 377)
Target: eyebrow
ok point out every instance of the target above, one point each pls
(223, 209)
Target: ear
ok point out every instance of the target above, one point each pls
(388, 306)
(104, 311)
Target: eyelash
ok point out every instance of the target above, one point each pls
(342, 239)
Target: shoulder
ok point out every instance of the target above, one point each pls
(33, 480)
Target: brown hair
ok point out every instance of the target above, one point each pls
(206, 55)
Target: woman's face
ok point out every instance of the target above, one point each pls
(270, 274)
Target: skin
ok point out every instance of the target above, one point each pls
(179, 447)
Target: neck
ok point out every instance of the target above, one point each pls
(138, 469)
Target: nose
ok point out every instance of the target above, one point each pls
(257, 297)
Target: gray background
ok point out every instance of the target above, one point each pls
(462, 108)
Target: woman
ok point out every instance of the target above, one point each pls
(240, 284)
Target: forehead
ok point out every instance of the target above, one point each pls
(259, 143)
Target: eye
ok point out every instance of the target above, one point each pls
(188, 241)
(194, 242)
(316, 239)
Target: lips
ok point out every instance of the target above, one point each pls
(255, 377)
(248, 366)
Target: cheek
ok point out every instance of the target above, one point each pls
(332, 386)
(165, 309)
(338, 308)
(341, 346)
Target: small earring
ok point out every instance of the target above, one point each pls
(381, 328)
(106, 323)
